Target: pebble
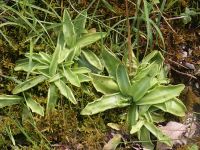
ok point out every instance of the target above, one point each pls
(197, 85)
(184, 54)
(190, 66)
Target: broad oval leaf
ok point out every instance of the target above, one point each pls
(82, 61)
(28, 84)
(153, 56)
(173, 106)
(37, 57)
(104, 84)
(89, 38)
(52, 98)
(150, 70)
(65, 91)
(111, 62)
(34, 106)
(63, 54)
(68, 55)
(122, 79)
(54, 62)
(132, 116)
(8, 100)
(68, 30)
(71, 77)
(161, 94)
(92, 59)
(104, 103)
(140, 87)
(79, 22)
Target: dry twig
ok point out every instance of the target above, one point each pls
(129, 37)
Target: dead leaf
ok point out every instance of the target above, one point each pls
(113, 143)
(114, 126)
(175, 131)
(178, 132)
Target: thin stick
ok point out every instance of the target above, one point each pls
(180, 65)
(62, 8)
(129, 37)
(165, 19)
(185, 74)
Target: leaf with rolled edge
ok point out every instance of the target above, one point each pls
(46, 57)
(161, 94)
(79, 22)
(33, 67)
(153, 56)
(28, 84)
(37, 57)
(63, 54)
(111, 62)
(173, 106)
(44, 72)
(104, 84)
(135, 128)
(92, 59)
(143, 109)
(71, 77)
(158, 117)
(132, 116)
(89, 38)
(23, 64)
(157, 133)
(54, 62)
(65, 91)
(144, 135)
(106, 102)
(122, 79)
(80, 70)
(162, 76)
(55, 77)
(34, 106)
(83, 78)
(140, 87)
(68, 54)
(82, 62)
(150, 70)
(68, 30)
(8, 100)
(52, 98)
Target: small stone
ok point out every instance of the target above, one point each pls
(197, 85)
(184, 54)
(190, 66)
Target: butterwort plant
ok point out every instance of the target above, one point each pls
(62, 68)
(147, 94)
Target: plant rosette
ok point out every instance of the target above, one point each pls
(147, 95)
(63, 68)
